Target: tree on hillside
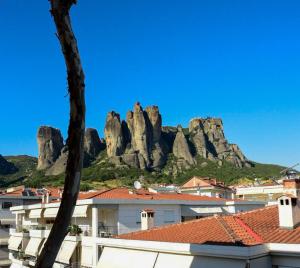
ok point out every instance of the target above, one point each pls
(60, 12)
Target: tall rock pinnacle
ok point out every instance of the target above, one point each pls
(50, 143)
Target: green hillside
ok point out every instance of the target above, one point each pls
(103, 174)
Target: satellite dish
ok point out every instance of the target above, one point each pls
(137, 185)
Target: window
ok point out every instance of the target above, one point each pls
(281, 202)
(294, 202)
(169, 216)
(4, 226)
(287, 202)
(6, 205)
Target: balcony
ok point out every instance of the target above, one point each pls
(19, 259)
(19, 232)
(40, 231)
(107, 231)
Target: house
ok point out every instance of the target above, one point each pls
(268, 192)
(15, 196)
(263, 238)
(206, 187)
(103, 214)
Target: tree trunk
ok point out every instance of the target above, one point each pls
(60, 12)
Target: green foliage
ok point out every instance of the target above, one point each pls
(25, 164)
(101, 173)
(74, 230)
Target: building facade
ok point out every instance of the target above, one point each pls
(262, 238)
(101, 215)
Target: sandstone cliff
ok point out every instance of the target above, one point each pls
(50, 143)
(142, 142)
(53, 153)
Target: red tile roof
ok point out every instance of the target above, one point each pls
(247, 229)
(124, 193)
(203, 182)
(18, 192)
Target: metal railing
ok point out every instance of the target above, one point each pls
(107, 231)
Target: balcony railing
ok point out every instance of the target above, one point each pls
(107, 231)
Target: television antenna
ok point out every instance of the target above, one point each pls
(289, 168)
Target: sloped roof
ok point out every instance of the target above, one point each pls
(124, 193)
(203, 182)
(244, 229)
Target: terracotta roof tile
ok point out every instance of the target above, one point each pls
(124, 193)
(247, 228)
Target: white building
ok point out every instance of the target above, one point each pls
(13, 197)
(206, 187)
(105, 214)
(262, 238)
(268, 192)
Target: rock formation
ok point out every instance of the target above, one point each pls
(114, 135)
(142, 142)
(208, 137)
(92, 143)
(59, 166)
(50, 143)
(181, 148)
(53, 154)
(140, 136)
(6, 167)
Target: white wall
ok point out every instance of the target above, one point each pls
(129, 216)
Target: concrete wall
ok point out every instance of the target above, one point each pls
(130, 220)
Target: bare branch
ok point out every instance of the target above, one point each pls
(60, 12)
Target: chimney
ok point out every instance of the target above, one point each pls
(289, 211)
(43, 198)
(292, 186)
(47, 198)
(147, 219)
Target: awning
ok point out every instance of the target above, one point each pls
(8, 221)
(66, 251)
(86, 256)
(80, 211)
(18, 211)
(14, 242)
(188, 261)
(120, 258)
(35, 213)
(198, 211)
(178, 261)
(5, 263)
(32, 248)
(50, 212)
(4, 242)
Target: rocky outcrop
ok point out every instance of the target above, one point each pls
(6, 167)
(141, 145)
(140, 134)
(114, 137)
(208, 137)
(53, 154)
(142, 142)
(50, 143)
(59, 165)
(181, 148)
(92, 143)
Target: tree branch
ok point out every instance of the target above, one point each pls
(60, 12)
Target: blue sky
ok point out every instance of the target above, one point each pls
(238, 60)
